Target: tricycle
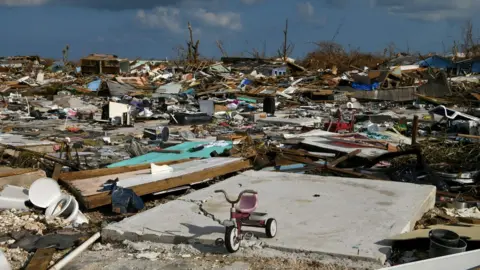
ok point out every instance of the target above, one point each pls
(242, 214)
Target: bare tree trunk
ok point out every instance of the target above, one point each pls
(220, 47)
(285, 40)
(193, 53)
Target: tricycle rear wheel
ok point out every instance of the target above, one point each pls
(271, 228)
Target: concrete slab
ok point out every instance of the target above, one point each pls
(333, 215)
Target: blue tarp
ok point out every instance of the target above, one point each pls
(162, 157)
(366, 87)
(476, 67)
(437, 62)
(93, 86)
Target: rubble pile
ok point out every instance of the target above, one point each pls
(115, 135)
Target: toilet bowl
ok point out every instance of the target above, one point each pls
(43, 192)
(65, 206)
(46, 193)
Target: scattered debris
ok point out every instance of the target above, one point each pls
(127, 134)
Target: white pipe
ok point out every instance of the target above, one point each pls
(59, 265)
(28, 106)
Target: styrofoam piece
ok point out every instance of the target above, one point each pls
(155, 169)
(9, 203)
(4, 265)
(13, 197)
(43, 192)
(16, 192)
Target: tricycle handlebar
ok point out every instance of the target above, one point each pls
(232, 201)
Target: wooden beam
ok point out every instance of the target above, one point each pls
(345, 157)
(41, 259)
(15, 172)
(285, 159)
(104, 198)
(69, 176)
(468, 136)
(352, 173)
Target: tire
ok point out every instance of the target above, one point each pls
(232, 243)
(271, 228)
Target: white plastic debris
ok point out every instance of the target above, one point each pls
(13, 197)
(155, 169)
(4, 265)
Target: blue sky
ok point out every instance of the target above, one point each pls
(151, 29)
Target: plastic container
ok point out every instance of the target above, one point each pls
(269, 105)
(444, 237)
(192, 119)
(438, 250)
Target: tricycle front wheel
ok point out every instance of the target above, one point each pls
(232, 239)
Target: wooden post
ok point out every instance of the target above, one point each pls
(414, 129)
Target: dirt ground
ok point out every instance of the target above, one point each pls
(147, 255)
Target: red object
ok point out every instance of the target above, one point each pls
(340, 124)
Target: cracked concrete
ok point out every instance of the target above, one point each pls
(343, 217)
(203, 210)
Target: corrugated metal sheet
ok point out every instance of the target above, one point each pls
(438, 87)
(162, 157)
(437, 62)
(169, 88)
(399, 94)
(95, 85)
(118, 90)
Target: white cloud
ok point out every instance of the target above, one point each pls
(306, 9)
(228, 19)
(431, 10)
(23, 2)
(162, 17)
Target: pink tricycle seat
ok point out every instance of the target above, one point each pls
(247, 204)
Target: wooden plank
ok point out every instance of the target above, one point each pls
(69, 176)
(104, 198)
(343, 158)
(14, 172)
(41, 259)
(475, 95)
(350, 172)
(57, 170)
(468, 136)
(285, 159)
